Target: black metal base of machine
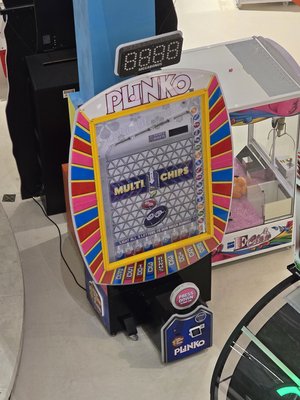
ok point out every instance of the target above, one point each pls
(146, 302)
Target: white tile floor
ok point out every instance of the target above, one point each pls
(11, 307)
(67, 353)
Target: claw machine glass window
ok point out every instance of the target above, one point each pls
(264, 172)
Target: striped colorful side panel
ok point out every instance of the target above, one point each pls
(83, 195)
(85, 210)
(221, 162)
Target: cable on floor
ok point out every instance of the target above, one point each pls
(60, 244)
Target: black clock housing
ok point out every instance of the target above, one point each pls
(148, 54)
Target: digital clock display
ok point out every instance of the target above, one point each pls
(147, 54)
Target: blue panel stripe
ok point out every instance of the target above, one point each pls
(220, 134)
(215, 97)
(150, 269)
(82, 174)
(171, 261)
(82, 134)
(222, 176)
(119, 276)
(86, 216)
(222, 214)
(93, 253)
(202, 250)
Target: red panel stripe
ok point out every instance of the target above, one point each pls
(139, 272)
(129, 274)
(87, 230)
(96, 263)
(99, 273)
(222, 188)
(83, 121)
(211, 244)
(161, 269)
(192, 255)
(82, 146)
(213, 85)
(221, 147)
(217, 108)
(182, 261)
(218, 234)
(107, 278)
(220, 224)
(79, 188)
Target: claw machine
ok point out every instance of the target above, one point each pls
(262, 91)
(240, 3)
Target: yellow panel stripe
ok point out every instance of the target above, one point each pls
(81, 153)
(220, 126)
(82, 140)
(82, 166)
(221, 154)
(78, 196)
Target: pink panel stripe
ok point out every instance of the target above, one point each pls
(212, 86)
(222, 161)
(221, 201)
(218, 235)
(84, 202)
(82, 121)
(86, 246)
(99, 273)
(218, 121)
(82, 159)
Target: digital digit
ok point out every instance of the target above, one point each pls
(172, 50)
(130, 61)
(158, 54)
(145, 57)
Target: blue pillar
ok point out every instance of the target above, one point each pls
(101, 25)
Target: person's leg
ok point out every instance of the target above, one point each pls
(20, 38)
(165, 16)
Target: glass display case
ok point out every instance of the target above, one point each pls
(261, 84)
(264, 169)
(240, 3)
(262, 206)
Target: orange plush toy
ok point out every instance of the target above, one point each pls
(239, 187)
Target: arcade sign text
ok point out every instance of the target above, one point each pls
(147, 90)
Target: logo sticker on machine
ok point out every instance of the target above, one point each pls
(96, 298)
(156, 216)
(184, 296)
(148, 204)
(186, 334)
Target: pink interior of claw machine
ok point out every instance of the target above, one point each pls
(264, 169)
(243, 214)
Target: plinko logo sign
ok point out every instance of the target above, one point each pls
(143, 92)
(186, 333)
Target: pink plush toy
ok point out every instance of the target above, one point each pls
(239, 187)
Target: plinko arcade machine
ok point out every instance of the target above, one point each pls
(150, 180)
